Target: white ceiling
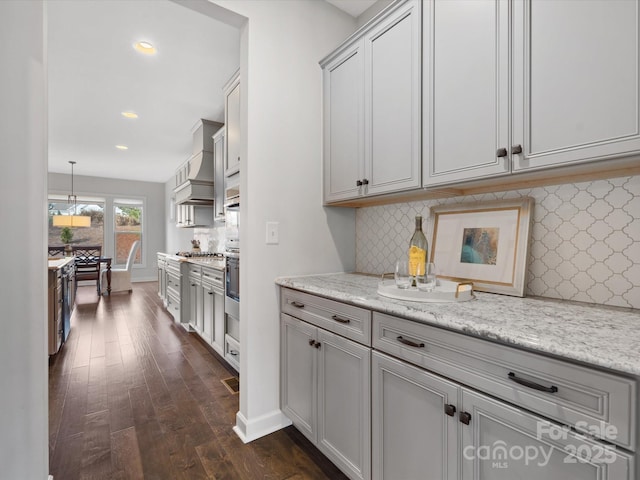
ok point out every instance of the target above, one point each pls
(94, 74)
(352, 7)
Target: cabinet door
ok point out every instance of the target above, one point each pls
(344, 403)
(193, 305)
(411, 432)
(503, 442)
(218, 174)
(298, 375)
(576, 92)
(343, 129)
(232, 121)
(466, 87)
(208, 312)
(392, 102)
(218, 323)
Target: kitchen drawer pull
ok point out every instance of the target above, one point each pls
(233, 352)
(409, 342)
(530, 384)
(297, 304)
(210, 293)
(340, 319)
(465, 418)
(502, 152)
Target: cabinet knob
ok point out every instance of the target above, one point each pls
(297, 304)
(317, 345)
(465, 418)
(210, 293)
(358, 183)
(450, 410)
(502, 152)
(365, 181)
(312, 342)
(516, 149)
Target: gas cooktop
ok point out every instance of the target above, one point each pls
(200, 254)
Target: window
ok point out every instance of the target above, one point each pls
(128, 227)
(92, 207)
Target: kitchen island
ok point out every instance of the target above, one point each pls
(384, 387)
(61, 299)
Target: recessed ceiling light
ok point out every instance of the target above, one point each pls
(145, 47)
(122, 147)
(129, 114)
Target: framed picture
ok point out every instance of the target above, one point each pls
(484, 243)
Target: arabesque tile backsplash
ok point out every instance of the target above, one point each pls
(585, 239)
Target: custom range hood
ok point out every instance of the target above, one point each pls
(195, 178)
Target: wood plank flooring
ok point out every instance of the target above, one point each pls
(133, 396)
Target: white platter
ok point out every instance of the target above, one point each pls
(444, 292)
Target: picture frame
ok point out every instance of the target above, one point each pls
(486, 243)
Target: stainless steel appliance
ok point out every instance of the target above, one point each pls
(233, 276)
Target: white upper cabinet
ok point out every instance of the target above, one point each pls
(521, 85)
(576, 92)
(372, 118)
(343, 124)
(232, 122)
(392, 103)
(466, 90)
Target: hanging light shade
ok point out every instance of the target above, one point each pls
(74, 220)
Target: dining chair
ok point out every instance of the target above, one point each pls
(87, 264)
(121, 277)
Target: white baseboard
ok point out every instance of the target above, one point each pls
(252, 429)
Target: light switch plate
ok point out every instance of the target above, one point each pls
(272, 233)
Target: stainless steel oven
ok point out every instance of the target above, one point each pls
(233, 276)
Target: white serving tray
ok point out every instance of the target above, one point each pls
(444, 292)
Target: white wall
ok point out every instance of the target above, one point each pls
(154, 215)
(23, 346)
(372, 11)
(280, 181)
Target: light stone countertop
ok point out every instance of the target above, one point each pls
(606, 337)
(58, 263)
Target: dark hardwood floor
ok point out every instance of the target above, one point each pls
(133, 396)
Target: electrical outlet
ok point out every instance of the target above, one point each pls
(272, 233)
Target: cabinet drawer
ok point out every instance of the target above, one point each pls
(232, 352)
(346, 320)
(569, 393)
(173, 284)
(193, 270)
(212, 277)
(173, 306)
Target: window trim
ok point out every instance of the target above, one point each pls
(139, 202)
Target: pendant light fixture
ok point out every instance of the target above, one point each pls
(74, 220)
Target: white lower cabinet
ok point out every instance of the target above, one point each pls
(412, 432)
(502, 442)
(422, 419)
(326, 393)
